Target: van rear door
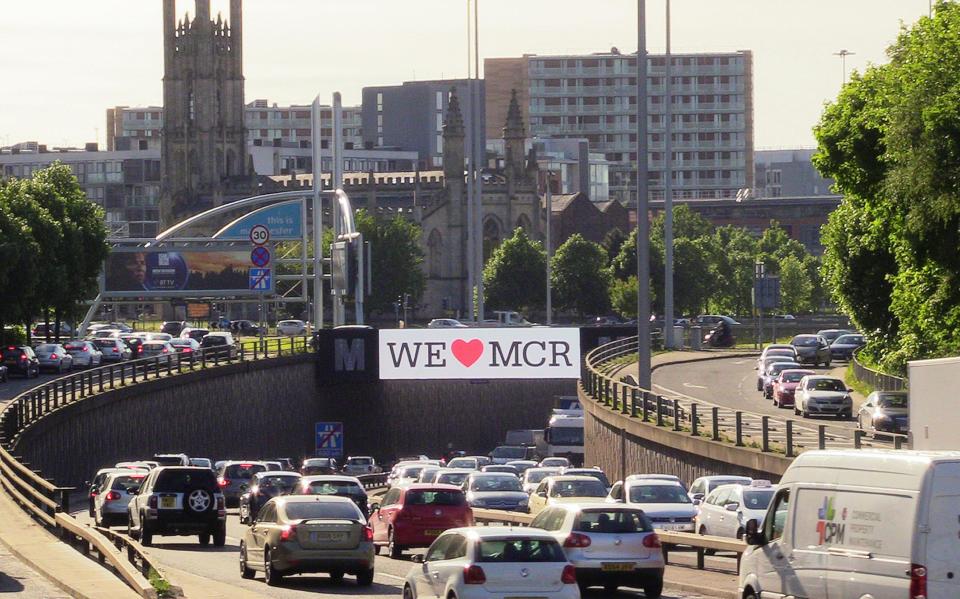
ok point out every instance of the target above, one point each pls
(942, 555)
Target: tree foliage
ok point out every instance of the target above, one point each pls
(515, 276)
(795, 287)
(396, 264)
(580, 278)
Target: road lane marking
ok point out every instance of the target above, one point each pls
(385, 575)
(692, 386)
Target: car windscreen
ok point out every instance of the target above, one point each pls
(658, 494)
(484, 484)
(535, 476)
(243, 470)
(713, 484)
(519, 551)
(212, 340)
(792, 377)
(274, 482)
(168, 460)
(613, 521)
(597, 474)
(578, 488)
(805, 341)
(850, 340)
(826, 385)
(462, 463)
(323, 510)
(128, 483)
(334, 487)
(757, 500)
(439, 497)
(318, 463)
(893, 401)
(411, 472)
(452, 478)
(359, 462)
(566, 435)
(46, 348)
(181, 481)
(509, 452)
(777, 367)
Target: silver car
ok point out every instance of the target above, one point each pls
(496, 491)
(84, 353)
(53, 356)
(110, 503)
(113, 350)
(823, 395)
(609, 545)
(234, 479)
(291, 327)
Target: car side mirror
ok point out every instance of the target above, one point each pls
(698, 497)
(542, 494)
(752, 533)
(849, 390)
(134, 491)
(417, 559)
(732, 507)
(374, 508)
(697, 501)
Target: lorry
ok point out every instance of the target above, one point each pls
(564, 437)
(931, 404)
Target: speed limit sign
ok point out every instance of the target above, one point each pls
(259, 234)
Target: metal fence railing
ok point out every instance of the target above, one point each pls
(774, 434)
(876, 379)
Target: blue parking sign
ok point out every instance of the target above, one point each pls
(329, 439)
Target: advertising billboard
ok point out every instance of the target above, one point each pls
(284, 221)
(158, 272)
(495, 353)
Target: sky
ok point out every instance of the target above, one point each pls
(64, 62)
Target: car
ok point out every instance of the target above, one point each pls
(313, 466)
(93, 486)
(286, 464)
(43, 330)
(219, 346)
(291, 327)
(532, 477)
(20, 359)
(138, 465)
(609, 545)
(201, 463)
(823, 395)
(832, 334)
(110, 503)
(509, 453)
(53, 356)
(308, 534)
(785, 386)
(264, 486)
(156, 336)
(428, 474)
(113, 349)
(336, 484)
(362, 464)
(408, 473)
(495, 491)
(772, 373)
(195, 333)
(173, 327)
(464, 463)
(103, 334)
(451, 476)
(187, 349)
(555, 463)
(244, 327)
(591, 472)
(885, 412)
(133, 341)
(705, 485)
(714, 319)
(522, 465)
(779, 349)
(162, 351)
(493, 562)
(501, 468)
(843, 346)
(670, 477)
(812, 349)
(727, 509)
(85, 354)
(234, 479)
(178, 500)
(171, 459)
(665, 502)
(415, 515)
(445, 323)
(566, 489)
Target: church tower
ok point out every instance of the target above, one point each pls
(515, 141)
(203, 144)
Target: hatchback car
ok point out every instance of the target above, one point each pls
(162, 351)
(234, 479)
(94, 486)
(187, 349)
(244, 327)
(726, 511)
(610, 546)
(785, 387)
(291, 327)
(495, 491)
(178, 500)
(53, 357)
(665, 502)
(823, 395)
(85, 354)
(451, 476)
(312, 466)
(532, 477)
(832, 335)
(705, 485)
(356, 465)
(113, 349)
(298, 535)
(173, 327)
(492, 562)
(414, 516)
(264, 486)
(194, 333)
(555, 490)
(21, 360)
(885, 412)
(336, 484)
(812, 349)
(843, 346)
(772, 373)
(555, 463)
(115, 493)
(219, 346)
(445, 323)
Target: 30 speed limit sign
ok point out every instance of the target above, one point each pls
(259, 234)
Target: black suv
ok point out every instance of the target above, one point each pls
(178, 500)
(20, 359)
(173, 327)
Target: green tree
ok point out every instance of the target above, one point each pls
(795, 286)
(612, 242)
(734, 271)
(623, 297)
(396, 266)
(775, 245)
(580, 278)
(515, 276)
(18, 262)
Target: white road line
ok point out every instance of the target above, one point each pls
(692, 386)
(400, 578)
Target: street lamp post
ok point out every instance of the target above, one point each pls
(843, 54)
(643, 224)
(549, 205)
(668, 339)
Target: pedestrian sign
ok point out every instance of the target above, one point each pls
(260, 279)
(329, 439)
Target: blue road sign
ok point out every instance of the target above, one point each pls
(329, 437)
(260, 279)
(260, 256)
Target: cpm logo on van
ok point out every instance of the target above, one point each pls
(830, 532)
(494, 353)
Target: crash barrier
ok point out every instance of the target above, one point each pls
(880, 381)
(750, 431)
(48, 503)
(669, 541)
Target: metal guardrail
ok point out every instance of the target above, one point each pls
(762, 432)
(49, 503)
(880, 381)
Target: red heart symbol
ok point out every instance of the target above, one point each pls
(467, 352)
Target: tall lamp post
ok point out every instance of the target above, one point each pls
(643, 224)
(668, 339)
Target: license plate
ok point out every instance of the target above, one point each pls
(168, 502)
(328, 537)
(432, 532)
(675, 526)
(617, 566)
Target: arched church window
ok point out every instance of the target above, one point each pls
(491, 237)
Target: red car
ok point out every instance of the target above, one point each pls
(785, 386)
(415, 515)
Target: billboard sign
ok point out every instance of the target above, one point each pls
(195, 272)
(495, 353)
(283, 221)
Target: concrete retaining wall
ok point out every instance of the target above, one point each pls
(268, 409)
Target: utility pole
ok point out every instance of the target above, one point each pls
(317, 219)
(549, 202)
(843, 61)
(469, 250)
(643, 224)
(479, 155)
(668, 340)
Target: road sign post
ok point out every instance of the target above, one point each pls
(329, 439)
(259, 234)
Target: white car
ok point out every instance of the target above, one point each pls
(555, 490)
(84, 353)
(726, 511)
(361, 464)
(823, 395)
(665, 502)
(492, 562)
(705, 485)
(291, 327)
(445, 323)
(555, 463)
(532, 478)
(110, 503)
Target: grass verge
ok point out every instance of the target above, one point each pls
(859, 386)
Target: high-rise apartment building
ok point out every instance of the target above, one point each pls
(594, 97)
(788, 173)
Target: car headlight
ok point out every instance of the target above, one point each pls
(881, 417)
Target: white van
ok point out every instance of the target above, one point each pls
(858, 524)
(564, 437)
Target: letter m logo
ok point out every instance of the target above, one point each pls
(349, 356)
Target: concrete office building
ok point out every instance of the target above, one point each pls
(594, 97)
(788, 173)
(410, 117)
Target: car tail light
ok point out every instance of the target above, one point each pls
(577, 540)
(367, 533)
(223, 482)
(165, 351)
(288, 532)
(114, 350)
(651, 541)
(569, 575)
(85, 348)
(93, 493)
(112, 496)
(474, 575)
(152, 502)
(53, 356)
(187, 350)
(918, 582)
